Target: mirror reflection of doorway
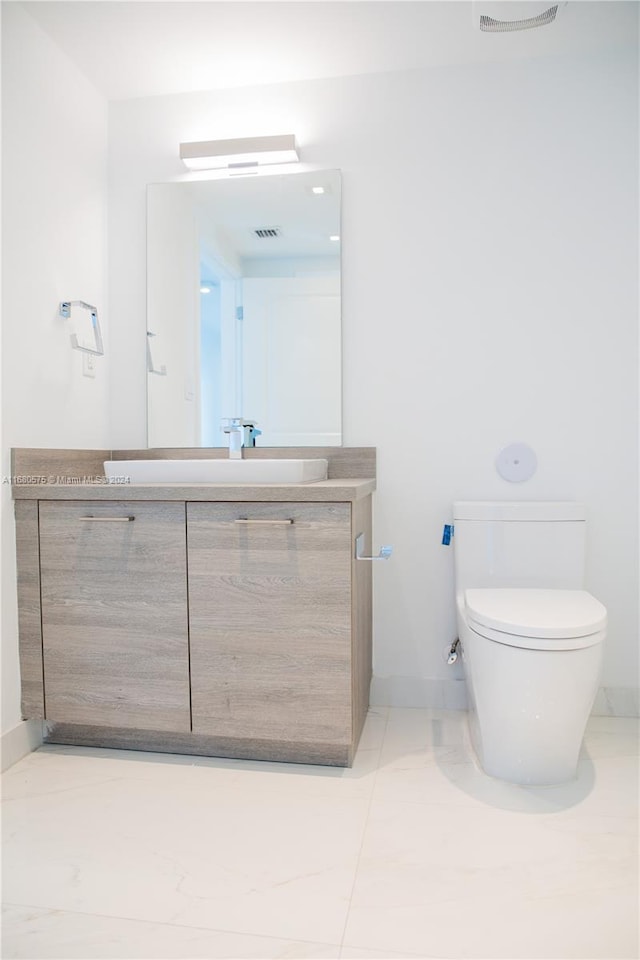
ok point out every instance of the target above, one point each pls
(282, 335)
(291, 369)
(210, 362)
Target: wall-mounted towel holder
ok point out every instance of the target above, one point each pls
(160, 371)
(66, 308)
(385, 552)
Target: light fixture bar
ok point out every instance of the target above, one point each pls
(233, 154)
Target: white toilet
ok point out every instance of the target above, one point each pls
(531, 637)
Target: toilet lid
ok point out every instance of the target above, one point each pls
(549, 614)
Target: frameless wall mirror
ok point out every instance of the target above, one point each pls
(243, 309)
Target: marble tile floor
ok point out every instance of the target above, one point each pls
(414, 852)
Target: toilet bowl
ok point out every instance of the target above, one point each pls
(533, 690)
(531, 637)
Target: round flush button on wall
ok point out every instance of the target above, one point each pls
(516, 463)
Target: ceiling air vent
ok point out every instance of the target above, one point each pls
(506, 17)
(266, 232)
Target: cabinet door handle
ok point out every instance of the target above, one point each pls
(108, 519)
(251, 520)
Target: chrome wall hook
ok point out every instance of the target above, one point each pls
(385, 552)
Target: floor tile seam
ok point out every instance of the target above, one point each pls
(513, 894)
(310, 789)
(623, 877)
(323, 792)
(364, 827)
(624, 717)
(485, 956)
(626, 734)
(615, 889)
(458, 805)
(175, 926)
(568, 813)
(396, 742)
(57, 792)
(605, 732)
(422, 762)
(606, 757)
(596, 758)
(410, 955)
(167, 770)
(462, 805)
(505, 898)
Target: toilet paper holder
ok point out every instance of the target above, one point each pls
(385, 552)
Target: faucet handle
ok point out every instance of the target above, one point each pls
(250, 432)
(230, 424)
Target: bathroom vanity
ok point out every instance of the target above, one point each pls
(216, 619)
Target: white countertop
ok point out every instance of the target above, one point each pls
(322, 490)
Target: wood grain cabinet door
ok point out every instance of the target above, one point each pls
(270, 620)
(114, 614)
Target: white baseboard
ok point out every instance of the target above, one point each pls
(18, 742)
(617, 702)
(423, 692)
(418, 692)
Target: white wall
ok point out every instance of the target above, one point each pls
(489, 295)
(54, 140)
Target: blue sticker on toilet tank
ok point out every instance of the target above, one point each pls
(447, 533)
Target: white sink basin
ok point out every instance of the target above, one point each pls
(216, 471)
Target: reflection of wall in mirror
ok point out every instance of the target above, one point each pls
(210, 360)
(219, 358)
(174, 316)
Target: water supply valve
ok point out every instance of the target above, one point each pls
(453, 651)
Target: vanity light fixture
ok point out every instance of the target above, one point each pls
(235, 154)
(317, 190)
(334, 237)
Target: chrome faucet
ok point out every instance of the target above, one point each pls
(233, 426)
(242, 433)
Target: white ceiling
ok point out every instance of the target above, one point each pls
(149, 48)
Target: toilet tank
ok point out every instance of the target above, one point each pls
(527, 544)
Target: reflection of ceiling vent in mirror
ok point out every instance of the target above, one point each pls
(266, 232)
(506, 17)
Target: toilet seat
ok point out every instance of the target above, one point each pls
(539, 619)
